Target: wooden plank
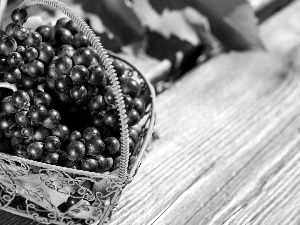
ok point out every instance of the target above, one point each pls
(233, 124)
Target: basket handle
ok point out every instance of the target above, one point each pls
(122, 174)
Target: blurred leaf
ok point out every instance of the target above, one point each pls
(170, 20)
(232, 21)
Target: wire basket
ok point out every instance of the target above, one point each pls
(38, 191)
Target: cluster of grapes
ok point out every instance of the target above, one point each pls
(63, 112)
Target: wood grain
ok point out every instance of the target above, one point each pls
(223, 128)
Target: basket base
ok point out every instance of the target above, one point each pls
(19, 201)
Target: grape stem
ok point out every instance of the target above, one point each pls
(13, 87)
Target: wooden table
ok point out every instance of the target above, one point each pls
(228, 147)
(228, 151)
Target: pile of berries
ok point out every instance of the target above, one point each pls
(63, 111)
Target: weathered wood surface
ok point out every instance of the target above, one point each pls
(228, 151)
(228, 148)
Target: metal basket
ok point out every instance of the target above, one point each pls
(38, 191)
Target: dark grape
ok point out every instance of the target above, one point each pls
(80, 40)
(53, 119)
(7, 105)
(67, 50)
(7, 123)
(97, 76)
(90, 132)
(110, 117)
(27, 131)
(42, 98)
(17, 133)
(112, 145)
(61, 131)
(28, 82)
(131, 145)
(60, 23)
(75, 136)
(21, 99)
(46, 53)
(117, 161)
(45, 32)
(19, 32)
(130, 87)
(128, 102)
(51, 158)
(78, 93)
(20, 49)
(33, 39)
(14, 59)
(94, 62)
(63, 64)
(95, 54)
(71, 26)
(109, 96)
(23, 67)
(133, 117)
(31, 53)
(64, 84)
(105, 131)
(82, 56)
(133, 134)
(52, 72)
(35, 150)
(75, 151)
(63, 36)
(52, 143)
(119, 67)
(92, 91)
(19, 16)
(89, 164)
(79, 74)
(12, 75)
(50, 84)
(7, 45)
(139, 106)
(102, 162)
(95, 146)
(64, 97)
(22, 118)
(40, 134)
(38, 113)
(9, 29)
(97, 103)
(35, 68)
(20, 151)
